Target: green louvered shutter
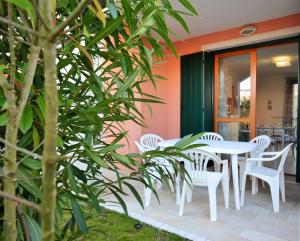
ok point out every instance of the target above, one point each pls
(196, 93)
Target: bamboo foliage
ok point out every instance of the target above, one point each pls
(63, 112)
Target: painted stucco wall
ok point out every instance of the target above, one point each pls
(270, 88)
(165, 118)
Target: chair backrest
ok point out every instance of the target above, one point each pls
(150, 141)
(263, 142)
(283, 154)
(140, 147)
(212, 136)
(198, 168)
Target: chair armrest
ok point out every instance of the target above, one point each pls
(262, 159)
(269, 153)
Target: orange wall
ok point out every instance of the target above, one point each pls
(165, 119)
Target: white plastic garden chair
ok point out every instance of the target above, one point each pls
(263, 142)
(199, 176)
(275, 178)
(155, 177)
(212, 136)
(150, 141)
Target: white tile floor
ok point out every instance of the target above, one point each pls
(256, 221)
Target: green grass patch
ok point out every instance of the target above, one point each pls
(113, 226)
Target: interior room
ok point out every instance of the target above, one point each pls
(276, 97)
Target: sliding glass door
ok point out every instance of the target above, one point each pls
(256, 93)
(235, 99)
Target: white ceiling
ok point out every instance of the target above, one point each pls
(218, 15)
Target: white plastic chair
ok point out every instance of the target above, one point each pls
(199, 176)
(212, 136)
(275, 178)
(263, 142)
(150, 141)
(155, 176)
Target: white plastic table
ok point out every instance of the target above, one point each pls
(233, 148)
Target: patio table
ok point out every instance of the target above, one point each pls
(233, 148)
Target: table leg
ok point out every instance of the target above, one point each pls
(235, 176)
(283, 140)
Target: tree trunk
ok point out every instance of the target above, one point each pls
(49, 152)
(9, 171)
(51, 106)
(10, 155)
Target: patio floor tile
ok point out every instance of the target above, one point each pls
(256, 221)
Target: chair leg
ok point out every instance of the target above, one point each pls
(274, 186)
(147, 194)
(225, 188)
(217, 167)
(183, 196)
(212, 202)
(171, 184)
(177, 187)
(159, 185)
(243, 189)
(242, 165)
(282, 186)
(254, 185)
(189, 193)
(294, 152)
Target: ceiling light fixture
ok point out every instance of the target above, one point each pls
(282, 61)
(248, 30)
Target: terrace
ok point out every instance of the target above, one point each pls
(256, 221)
(230, 83)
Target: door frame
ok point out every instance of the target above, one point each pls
(252, 116)
(294, 39)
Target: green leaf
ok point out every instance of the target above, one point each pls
(110, 27)
(34, 228)
(26, 5)
(179, 19)
(36, 137)
(26, 181)
(110, 148)
(41, 104)
(27, 119)
(2, 67)
(3, 119)
(72, 180)
(189, 6)
(79, 217)
(167, 39)
(98, 11)
(32, 163)
(135, 193)
(188, 140)
(59, 141)
(121, 201)
(97, 159)
(80, 174)
(86, 32)
(128, 13)
(127, 83)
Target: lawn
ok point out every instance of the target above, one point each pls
(112, 226)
